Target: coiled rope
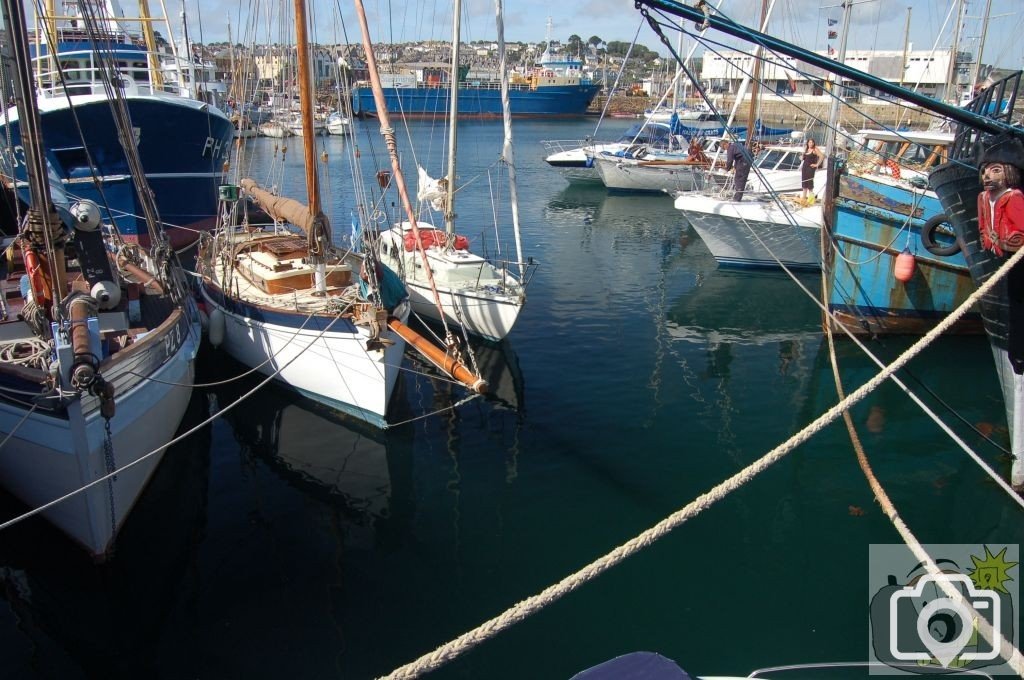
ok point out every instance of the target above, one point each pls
(535, 603)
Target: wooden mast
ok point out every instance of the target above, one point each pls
(453, 118)
(306, 110)
(756, 84)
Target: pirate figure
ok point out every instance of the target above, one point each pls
(1001, 204)
(1001, 223)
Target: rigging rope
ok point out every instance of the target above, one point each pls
(520, 611)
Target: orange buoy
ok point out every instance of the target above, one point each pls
(904, 269)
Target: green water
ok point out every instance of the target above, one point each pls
(283, 542)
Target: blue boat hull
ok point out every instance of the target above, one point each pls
(182, 146)
(873, 222)
(479, 102)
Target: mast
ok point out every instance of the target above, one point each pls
(42, 226)
(981, 46)
(906, 46)
(954, 49)
(306, 109)
(453, 117)
(155, 75)
(506, 151)
(741, 92)
(388, 133)
(837, 96)
(756, 84)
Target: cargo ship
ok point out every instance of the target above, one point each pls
(555, 87)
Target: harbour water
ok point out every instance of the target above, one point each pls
(284, 541)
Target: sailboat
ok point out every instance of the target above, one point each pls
(328, 322)
(98, 347)
(445, 279)
(284, 299)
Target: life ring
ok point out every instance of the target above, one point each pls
(928, 238)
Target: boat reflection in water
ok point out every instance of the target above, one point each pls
(69, 618)
(498, 364)
(760, 326)
(323, 453)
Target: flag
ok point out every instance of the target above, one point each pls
(833, 22)
(832, 35)
(792, 84)
(831, 51)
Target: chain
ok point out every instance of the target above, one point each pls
(108, 456)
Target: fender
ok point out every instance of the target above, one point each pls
(928, 238)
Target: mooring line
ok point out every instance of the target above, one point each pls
(890, 511)
(520, 611)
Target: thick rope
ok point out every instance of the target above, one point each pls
(904, 531)
(535, 603)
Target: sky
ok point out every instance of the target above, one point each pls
(875, 24)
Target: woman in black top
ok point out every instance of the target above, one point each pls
(812, 159)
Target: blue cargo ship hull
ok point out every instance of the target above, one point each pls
(479, 102)
(182, 146)
(874, 222)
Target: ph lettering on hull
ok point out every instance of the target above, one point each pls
(214, 146)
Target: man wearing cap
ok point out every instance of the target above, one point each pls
(738, 158)
(1001, 204)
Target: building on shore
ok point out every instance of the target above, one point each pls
(927, 71)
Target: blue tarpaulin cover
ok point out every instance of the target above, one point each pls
(635, 666)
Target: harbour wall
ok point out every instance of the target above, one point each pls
(797, 113)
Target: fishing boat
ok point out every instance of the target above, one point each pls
(182, 142)
(957, 185)
(98, 347)
(446, 280)
(555, 87)
(884, 210)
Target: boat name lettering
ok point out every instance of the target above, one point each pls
(214, 146)
(172, 339)
(16, 156)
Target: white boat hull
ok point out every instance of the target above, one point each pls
(475, 295)
(620, 174)
(49, 456)
(333, 367)
(490, 316)
(754, 234)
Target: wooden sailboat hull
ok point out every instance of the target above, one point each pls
(50, 454)
(322, 356)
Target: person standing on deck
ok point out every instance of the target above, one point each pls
(737, 159)
(813, 159)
